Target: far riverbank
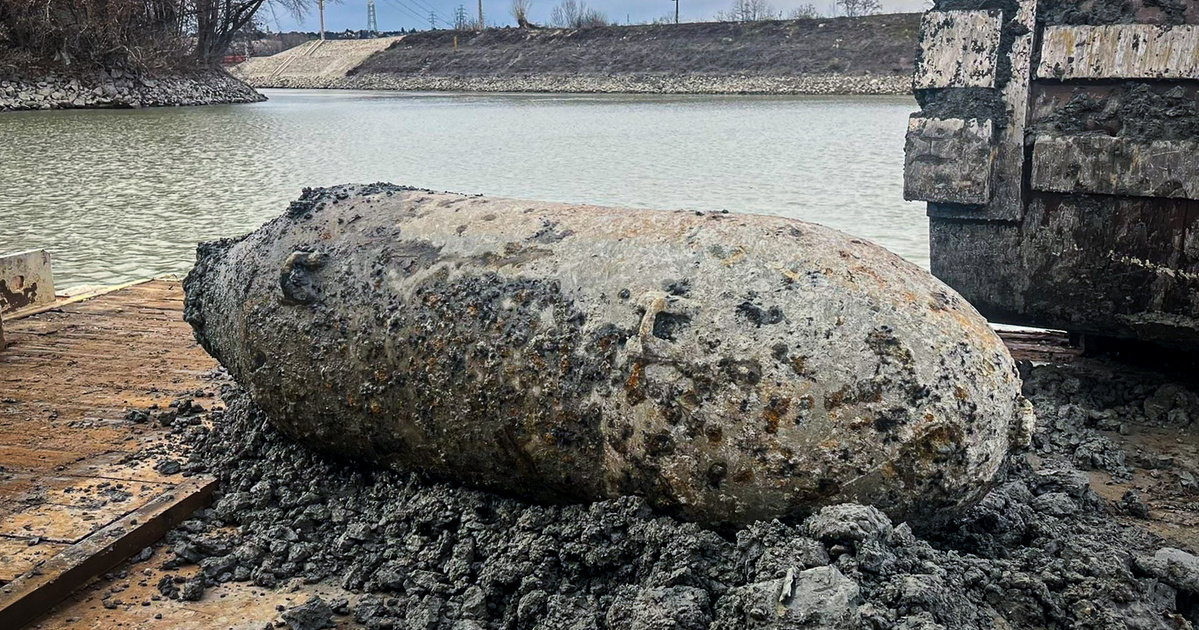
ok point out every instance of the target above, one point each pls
(623, 84)
(871, 55)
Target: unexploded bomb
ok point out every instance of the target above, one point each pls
(727, 367)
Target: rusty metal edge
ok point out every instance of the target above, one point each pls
(37, 591)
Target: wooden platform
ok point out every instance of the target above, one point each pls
(68, 378)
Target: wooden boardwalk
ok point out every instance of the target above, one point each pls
(68, 378)
(70, 375)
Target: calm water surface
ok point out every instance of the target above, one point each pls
(123, 195)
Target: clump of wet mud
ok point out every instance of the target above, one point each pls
(1042, 550)
(1136, 111)
(981, 103)
(1061, 12)
(1101, 12)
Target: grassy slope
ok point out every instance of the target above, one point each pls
(878, 45)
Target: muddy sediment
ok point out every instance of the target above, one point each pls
(1042, 550)
(1102, 12)
(1137, 111)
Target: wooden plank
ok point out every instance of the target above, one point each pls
(78, 298)
(18, 554)
(73, 375)
(55, 523)
(17, 457)
(33, 593)
(1120, 51)
(1116, 166)
(958, 49)
(949, 160)
(1040, 346)
(102, 500)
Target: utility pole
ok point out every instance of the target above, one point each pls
(460, 18)
(676, 11)
(482, 24)
(372, 25)
(432, 21)
(321, 6)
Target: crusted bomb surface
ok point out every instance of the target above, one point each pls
(727, 367)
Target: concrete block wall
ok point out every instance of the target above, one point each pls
(1057, 147)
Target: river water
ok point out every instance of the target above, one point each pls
(125, 194)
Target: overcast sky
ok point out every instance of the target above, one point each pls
(396, 14)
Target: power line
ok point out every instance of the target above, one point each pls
(404, 9)
(424, 6)
(420, 6)
(412, 13)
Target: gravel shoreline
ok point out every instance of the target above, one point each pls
(616, 84)
(122, 90)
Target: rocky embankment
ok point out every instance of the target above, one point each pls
(121, 89)
(617, 84)
(868, 55)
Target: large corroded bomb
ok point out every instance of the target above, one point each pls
(727, 367)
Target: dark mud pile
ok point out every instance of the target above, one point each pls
(1101, 12)
(1138, 111)
(1042, 550)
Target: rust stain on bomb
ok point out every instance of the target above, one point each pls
(572, 353)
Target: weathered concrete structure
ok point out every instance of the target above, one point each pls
(26, 281)
(1065, 197)
(727, 367)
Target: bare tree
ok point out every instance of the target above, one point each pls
(140, 33)
(858, 8)
(749, 11)
(216, 22)
(520, 11)
(86, 32)
(576, 14)
(804, 12)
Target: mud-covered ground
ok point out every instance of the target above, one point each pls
(1091, 529)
